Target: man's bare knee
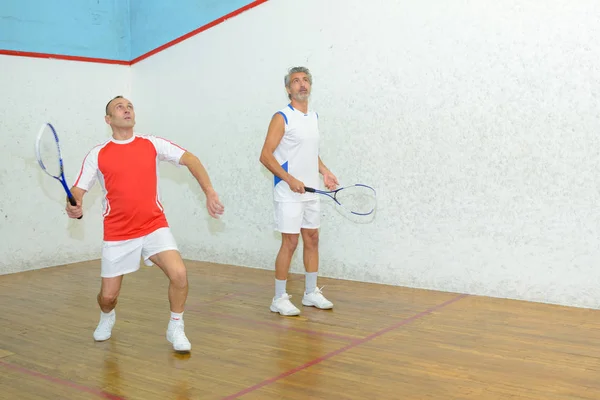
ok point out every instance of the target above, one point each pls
(108, 298)
(171, 263)
(289, 242)
(310, 237)
(178, 278)
(109, 291)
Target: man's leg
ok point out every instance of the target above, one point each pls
(118, 258)
(289, 242)
(107, 300)
(172, 265)
(160, 248)
(288, 217)
(310, 238)
(281, 302)
(109, 293)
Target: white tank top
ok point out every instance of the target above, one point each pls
(298, 154)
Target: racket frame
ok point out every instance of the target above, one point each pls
(61, 177)
(329, 194)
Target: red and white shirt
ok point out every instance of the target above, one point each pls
(127, 170)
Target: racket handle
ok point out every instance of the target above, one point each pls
(74, 203)
(309, 189)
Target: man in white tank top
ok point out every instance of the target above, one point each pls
(291, 153)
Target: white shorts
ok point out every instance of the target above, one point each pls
(123, 256)
(290, 217)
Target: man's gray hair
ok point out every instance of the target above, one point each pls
(294, 70)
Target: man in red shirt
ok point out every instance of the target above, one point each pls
(135, 226)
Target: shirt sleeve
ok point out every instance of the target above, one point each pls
(89, 171)
(167, 150)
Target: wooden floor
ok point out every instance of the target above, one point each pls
(379, 342)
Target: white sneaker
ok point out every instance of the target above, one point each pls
(104, 329)
(316, 299)
(176, 335)
(284, 306)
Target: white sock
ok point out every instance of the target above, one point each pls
(280, 287)
(310, 282)
(175, 317)
(107, 315)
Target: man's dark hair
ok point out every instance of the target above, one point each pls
(107, 104)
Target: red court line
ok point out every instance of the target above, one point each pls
(81, 388)
(278, 326)
(197, 31)
(63, 57)
(343, 349)
(195, 308)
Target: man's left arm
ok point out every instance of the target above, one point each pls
(329, 178)
(176, 155)
(194, 165)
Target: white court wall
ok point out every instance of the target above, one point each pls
(477, 122)
(34, 229)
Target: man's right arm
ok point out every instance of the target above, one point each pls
(76, 211)
(85, 180)
(274, 136)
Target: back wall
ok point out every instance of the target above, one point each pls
(476, 122)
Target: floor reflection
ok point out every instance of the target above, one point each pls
(181, 387)
(111, 372)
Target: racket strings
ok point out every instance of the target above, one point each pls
(48, 152)
(357, 199)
